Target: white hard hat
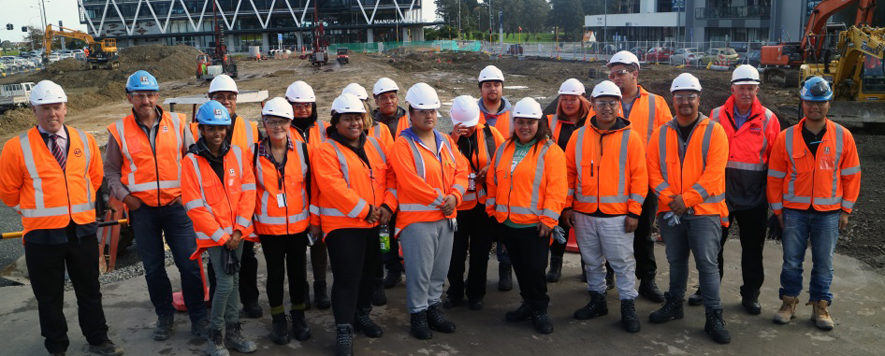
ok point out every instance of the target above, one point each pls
(685, 81)
(300, 92)
(356, 89)
(347, 103)
(528, 108)
(572, 86)
(422, 96)
(606, 88)
(223, 82)
(624, 57)
(745, 74)
(278, 107)
(384, 85)
(465, 110)
(47, 92)
(490, 73)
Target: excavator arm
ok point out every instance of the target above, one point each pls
(854, 44)
(823, 11)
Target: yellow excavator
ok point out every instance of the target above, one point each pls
(101, 54)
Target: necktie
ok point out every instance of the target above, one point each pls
(57, 151)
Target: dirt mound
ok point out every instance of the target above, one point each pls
(16, 121)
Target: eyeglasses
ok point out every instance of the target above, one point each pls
(219, 97)
(685, 98)
(276, 123)
(301, 106)
(603, 104)
(819, 104)
(143, 96)
(619, 73)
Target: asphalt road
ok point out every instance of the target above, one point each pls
(11, 249)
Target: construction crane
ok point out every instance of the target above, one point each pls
(218, 62)
(320, 55)
(102, 54)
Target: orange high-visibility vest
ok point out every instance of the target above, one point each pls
(556, 124)
(647, 108)
(241, 137)
(152, 177)
(316, 136)
(606, 171)
(33, 183)
(381, 133)
(503, 123)
(827, 181)
(218, 208)
(291, 218)
(482, 158)
(403, 123)
(534, 192)
(424, 178)
(350, 186)
(693, 169)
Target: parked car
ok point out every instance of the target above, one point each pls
(639, 52)
(753, 58)
(514, 49)
(725, 56)
(54, 58)
(685, 56)
(658, 54)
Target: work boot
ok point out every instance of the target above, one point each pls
(542, 322)
(629, 319)
(649, 289)
(555, 270)
(379, 298)
(520, 314)
(437, 322)
(165, 325)
(597, 306)
(696, 298)
(253, 310)
(299, 325)
(233, 338)
(671, 310)
(321, 297)
(106, 348)
(200, 327)
(392, 278)
(420, 329)
(280, 329)
(452, 302)
(362, 322)
(215, 343)
(715, 326)
(475, 303)
(820, 315)
(505, 277)
(750, 301)
(787, 311)
(306, 296)
(344, 346)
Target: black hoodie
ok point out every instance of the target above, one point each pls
(217, 163)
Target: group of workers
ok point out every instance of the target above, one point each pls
(383, 187)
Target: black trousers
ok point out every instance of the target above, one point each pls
(557, 249)
(285, 256)
(753, 223)
(528, 254)
(475, 234)
(46, 266)
(391, 259)
(248, 276)
(318, 260)
(354, 254)
(643, 244)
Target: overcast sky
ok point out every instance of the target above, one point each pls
(25, 12)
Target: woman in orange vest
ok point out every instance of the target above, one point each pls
(218, 188)
(526, 194)
(282, 217)
(354, 204)
(431, 181)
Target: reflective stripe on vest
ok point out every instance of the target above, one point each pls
(833, 198)
(342, 162)
(536, 185)
(651, 116)
(621, 197)
(760, 166)
(193, 204)
(132, 186)
(419, 159)
(264, 199)
(705, 148)
(40, 210)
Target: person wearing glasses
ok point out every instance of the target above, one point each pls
(646, 112)
(686, 167)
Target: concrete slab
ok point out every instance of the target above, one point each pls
(858, 309)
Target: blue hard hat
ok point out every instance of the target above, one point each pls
(214, 114)
(816, 89)
(141, 81)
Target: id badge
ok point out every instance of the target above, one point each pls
(281, 200)
(471, 182)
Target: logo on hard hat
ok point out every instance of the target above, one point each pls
(144, 80)
(217, 113)
(78, 152)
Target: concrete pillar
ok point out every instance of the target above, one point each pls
(130, 42)
(419, 34)
(229, 42)
(406, 37)
(299, 39)
(265, 43)
(370, 36)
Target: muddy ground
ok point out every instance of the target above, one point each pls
(97, 99)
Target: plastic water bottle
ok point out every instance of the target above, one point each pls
(384, 236)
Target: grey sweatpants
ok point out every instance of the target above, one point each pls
(601, 239)
(427, 252)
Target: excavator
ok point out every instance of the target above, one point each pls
(102, 54)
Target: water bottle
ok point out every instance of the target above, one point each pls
(384, 236)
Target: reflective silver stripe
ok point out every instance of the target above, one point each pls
(723, 220)
(238, 153)
(193, 159)
(189, 137)
(705, 147)
(522, 210)
(622, 161)
(585, 198)
(305, 170)
(847, 204)
(579, 159)
(250, 139)
(777, 206)
(37, 182)
(788, 145)
(768, 115)
(553, 122)
(827, 201)
(651, 116)
(776, 174)
(459, 188)
(700, 189)
(419, 160)
(163, 184)
(40, 209)
(179, 142)
(355, 212)
(125, 149)
(217, 235)
(378, 149)
(498, 155)
(614, 199)
(714, 199)
(393, 192)
(79, 208)
(539, 172)
(314, 209)
(85, 141)
(662, 155)
(661, 187)
(639, 198)
(193, 204)
(417, 207)
(469, 197)
(550, 214)
(715, 114)
(797, 199)
(571, 192)
(322, 129)
(839, 147)
(850, 170)
(490, 201)
(758, 167)
(244, 222)
(342, 163)
(248, 186)
(377, 128)
(268, 220)
(44, 212)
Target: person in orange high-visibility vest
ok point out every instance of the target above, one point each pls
(605, 200)
(50, 175)
(355, 203)
(431, 181)
(475, 234)
(143, 167)
(526, 194)
(494, 106)
(307, 128)
(686, 167)
(218, 188)
(282, 177)
(813, 184)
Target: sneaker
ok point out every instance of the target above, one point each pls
(520, 314)
(671, 310)
(165, 325)
(253, 310)
(820, 315)
(787, 311)
(106, 348)
(199, 328)
(233, 338)
(715, 326)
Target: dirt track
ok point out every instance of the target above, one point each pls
(97, 104)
